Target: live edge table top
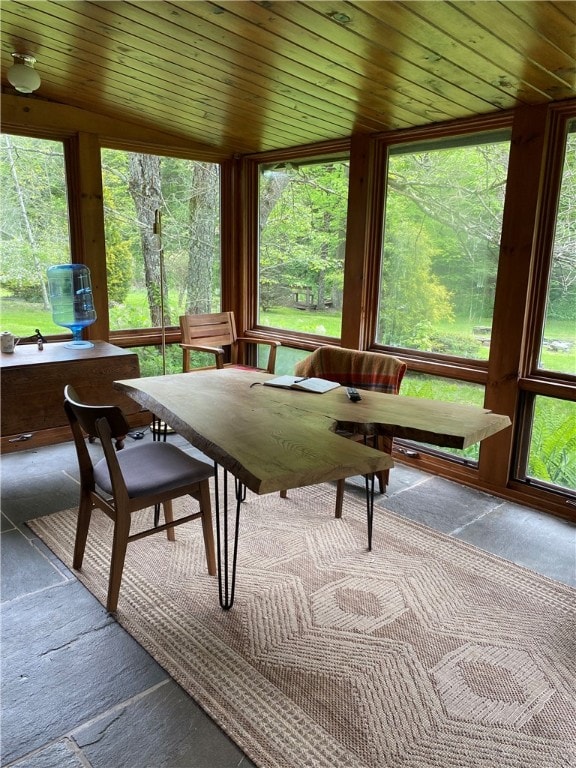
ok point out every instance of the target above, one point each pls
(274, 439)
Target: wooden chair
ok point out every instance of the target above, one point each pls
(128, 480)
(362, 370)
(211, 333)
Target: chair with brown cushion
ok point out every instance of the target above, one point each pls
(211, 333)
(131, 479)
(362, 370)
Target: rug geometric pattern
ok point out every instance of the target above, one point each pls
(423, 653)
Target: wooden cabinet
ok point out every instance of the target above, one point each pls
(33, 384)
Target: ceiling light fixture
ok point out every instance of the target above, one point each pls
(22, 74)
(341, 18)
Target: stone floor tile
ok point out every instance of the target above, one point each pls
(5, 524)
(527, 537)
(65, 660)
(37, 461)
(165, 729)
(38, 496)
(440, 503)
(67, 573)
(24, 568)
(62, 754)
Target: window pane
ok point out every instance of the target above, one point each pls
(286, 358)
(443, 219)
(186, 193)
(35, 232)
(150, 359)
(301, 248)
(558, 348)
(448, 390)
(552, 456)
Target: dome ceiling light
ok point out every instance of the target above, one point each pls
(22, 74)
(341, 18)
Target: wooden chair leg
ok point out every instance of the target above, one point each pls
(119, 544)
(169, 518)
(339, 498)
(383, 479)
(207, 530)
(82, 526)
(385, 445)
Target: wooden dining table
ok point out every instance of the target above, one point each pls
(273, 439)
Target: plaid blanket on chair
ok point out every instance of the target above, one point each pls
(353, 368)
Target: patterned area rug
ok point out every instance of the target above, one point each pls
(424, 652)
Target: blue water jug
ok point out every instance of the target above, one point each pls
(70, 291)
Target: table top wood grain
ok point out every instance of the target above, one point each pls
(273, 439)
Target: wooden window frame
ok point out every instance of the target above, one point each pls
(535, 381)
(505, 373)
(520, 293)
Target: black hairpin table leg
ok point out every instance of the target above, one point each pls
(226, 563)
(369, 485)
(159, 431)
(240, 489)
(369, 482)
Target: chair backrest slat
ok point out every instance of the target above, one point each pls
(88, 415)
(119, 490)
(211, 330)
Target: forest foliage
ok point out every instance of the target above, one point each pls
(439, 255)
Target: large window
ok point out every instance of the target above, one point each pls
(558, 343)
(302, 236)
(162, 221)
(35, 233)
(444, 204)
(441, 241)
(550, 457)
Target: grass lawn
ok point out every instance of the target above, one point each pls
(21, 318)
(321, 323)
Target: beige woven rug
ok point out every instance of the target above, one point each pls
(423, 652)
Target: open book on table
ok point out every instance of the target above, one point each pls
(302, 382)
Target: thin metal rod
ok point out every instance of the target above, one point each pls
(226, 570)
(369, 485)
(158, 231)
(240, 489)
(369, 482)
(159, 431)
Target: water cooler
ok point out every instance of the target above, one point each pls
(72, 302)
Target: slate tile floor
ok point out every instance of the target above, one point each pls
(79, 692)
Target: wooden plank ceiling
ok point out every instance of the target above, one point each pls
(243, 77)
